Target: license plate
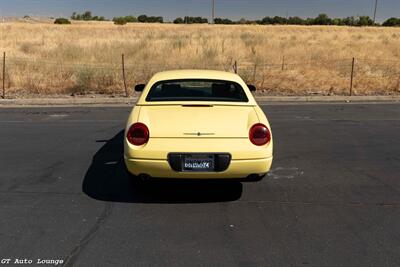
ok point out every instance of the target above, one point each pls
(198, 163)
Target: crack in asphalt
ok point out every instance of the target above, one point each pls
(73, 256)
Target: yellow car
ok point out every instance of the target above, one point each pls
(197, 124)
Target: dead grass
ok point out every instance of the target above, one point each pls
(86, 57)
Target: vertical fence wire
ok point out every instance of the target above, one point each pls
(4, 75)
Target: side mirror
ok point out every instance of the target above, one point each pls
(140, 87)
(252, 88)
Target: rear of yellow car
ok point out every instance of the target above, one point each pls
(200, 133)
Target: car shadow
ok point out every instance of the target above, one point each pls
(107, 180)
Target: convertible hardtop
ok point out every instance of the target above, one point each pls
(203, 75)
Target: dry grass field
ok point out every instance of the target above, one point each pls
(86, 57)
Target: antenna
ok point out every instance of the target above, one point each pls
(376, 7)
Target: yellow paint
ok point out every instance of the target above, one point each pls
(160, 168)
(224, 126)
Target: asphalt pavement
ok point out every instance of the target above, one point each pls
(332, 197)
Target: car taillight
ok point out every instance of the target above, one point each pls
(138, 134)
(259, 134)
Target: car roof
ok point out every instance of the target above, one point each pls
(196, 74)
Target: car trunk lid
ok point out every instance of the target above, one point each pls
(198, 121)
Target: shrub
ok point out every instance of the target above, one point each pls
(84, 79)
(124, 20)
(62, 21)
(119, 21)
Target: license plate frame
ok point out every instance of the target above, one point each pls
(198, 163)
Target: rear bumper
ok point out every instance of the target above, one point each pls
(237, 169)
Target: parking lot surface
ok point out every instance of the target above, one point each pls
(332, 197)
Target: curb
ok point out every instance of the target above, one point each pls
(118, 101)
(328, 98)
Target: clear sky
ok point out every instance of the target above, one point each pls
(171, 9)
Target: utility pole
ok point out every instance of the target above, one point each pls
(213, 11)
(376, 7)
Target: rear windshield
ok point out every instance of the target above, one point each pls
(197, 90)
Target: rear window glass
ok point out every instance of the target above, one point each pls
(197, 90)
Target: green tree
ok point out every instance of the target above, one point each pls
(337, 22)
(223, 21)
(350, 21)
(278, 20)
(154, 19)
(365, 21)
(142, 18)
(392, 22)
(296, 21)
(322, 19)
(178, 21)
(87, 15)
(194, 20)
(266, 21)
(131, 19)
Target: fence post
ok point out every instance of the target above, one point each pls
(398, 85)
(352, 76)
(283, 63)
(4, 75)
(254, 73)
(235, 67)
(123, 75)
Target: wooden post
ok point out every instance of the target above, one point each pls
(352, 76)
(4, 75)
(283, 63)
(123, 75)
(235, 67)
(254, 72)
(398, 85)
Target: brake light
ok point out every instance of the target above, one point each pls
(259, 134)
(138, 134)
